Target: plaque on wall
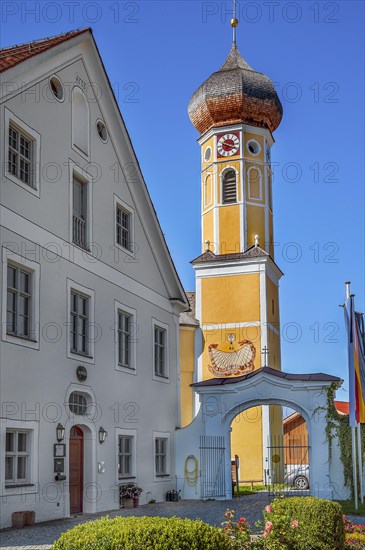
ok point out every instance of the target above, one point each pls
(59, 449)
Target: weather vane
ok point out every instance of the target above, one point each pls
(234, 22)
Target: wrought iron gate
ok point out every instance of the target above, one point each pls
(288, 470)
(212, 466)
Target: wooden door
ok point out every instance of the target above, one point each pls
(76, 469)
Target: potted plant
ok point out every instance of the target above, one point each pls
(130, 495)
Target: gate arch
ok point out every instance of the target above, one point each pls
(221, 399)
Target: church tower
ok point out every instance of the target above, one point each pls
(236, 110)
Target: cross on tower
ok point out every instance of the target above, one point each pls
(265, 352)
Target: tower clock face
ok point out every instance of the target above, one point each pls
(228, 145)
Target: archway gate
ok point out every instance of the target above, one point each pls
(207, 438)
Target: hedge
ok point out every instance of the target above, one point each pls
(143, 533)
(319, 524)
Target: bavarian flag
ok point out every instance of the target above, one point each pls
(356, 361)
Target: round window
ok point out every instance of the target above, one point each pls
(207, 154)
(254, 147)
(102, 131)
(56, 87)
(77, 403)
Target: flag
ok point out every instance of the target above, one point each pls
(359, 362)
(356, 361)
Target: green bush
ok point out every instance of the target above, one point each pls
(304, 523)
(143, 533)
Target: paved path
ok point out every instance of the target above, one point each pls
(42, 535)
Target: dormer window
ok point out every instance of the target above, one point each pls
(229, 187)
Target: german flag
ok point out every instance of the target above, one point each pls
(356, 361)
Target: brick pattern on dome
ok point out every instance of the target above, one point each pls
(12, 56)
(235, 94)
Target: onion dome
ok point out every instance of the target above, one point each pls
(235, 94)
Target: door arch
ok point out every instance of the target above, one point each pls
(76, 470)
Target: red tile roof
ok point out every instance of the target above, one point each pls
(342, 407)
(9, 57)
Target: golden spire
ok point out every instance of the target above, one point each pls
(234, 22)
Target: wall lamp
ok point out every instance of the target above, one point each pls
(102, 435)
(60, 432)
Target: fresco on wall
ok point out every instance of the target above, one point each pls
(232, 357)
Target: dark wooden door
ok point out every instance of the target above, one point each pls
(76, 469)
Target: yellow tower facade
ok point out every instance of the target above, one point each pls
(236, 111)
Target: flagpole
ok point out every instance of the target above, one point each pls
(353, 428)
(354, 469)
(359, 455)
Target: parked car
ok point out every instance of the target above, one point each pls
(298, 477)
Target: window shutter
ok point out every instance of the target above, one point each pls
(229, 187)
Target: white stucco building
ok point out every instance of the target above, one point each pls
(86, 281)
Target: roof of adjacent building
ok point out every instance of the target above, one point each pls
(235, 94)
(342, 407)
(311, 377)
(187, 318)
(209, 256)
(12, 56)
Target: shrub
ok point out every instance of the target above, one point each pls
(143, 533)
(304, 523)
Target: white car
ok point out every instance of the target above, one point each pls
(298, 476)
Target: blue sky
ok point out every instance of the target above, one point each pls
(158, 52)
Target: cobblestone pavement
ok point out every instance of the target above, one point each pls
(42, 535)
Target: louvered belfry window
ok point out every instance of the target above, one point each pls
(229, 187)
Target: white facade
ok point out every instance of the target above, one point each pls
(133, 396)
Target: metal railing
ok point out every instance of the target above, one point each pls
(79, 231)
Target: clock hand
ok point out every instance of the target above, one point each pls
(226, 144)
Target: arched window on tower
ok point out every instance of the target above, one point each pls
(80, 121)
(229, 186)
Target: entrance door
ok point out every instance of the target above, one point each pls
(76, 469)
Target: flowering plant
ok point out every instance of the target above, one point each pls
(355, 534)
(131, 490)
(351, 527)
(237, 531)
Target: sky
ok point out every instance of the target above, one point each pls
(157, 53)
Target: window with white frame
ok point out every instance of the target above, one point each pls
(124, 339)
(20, 306)
(18, 301)
(77, 403)
(125, 455)
(17, 457)
(80, 207)
(20, 157)
(22, 153)
(160, 367)
(161, 456)
(79, 322)
(123, 227)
